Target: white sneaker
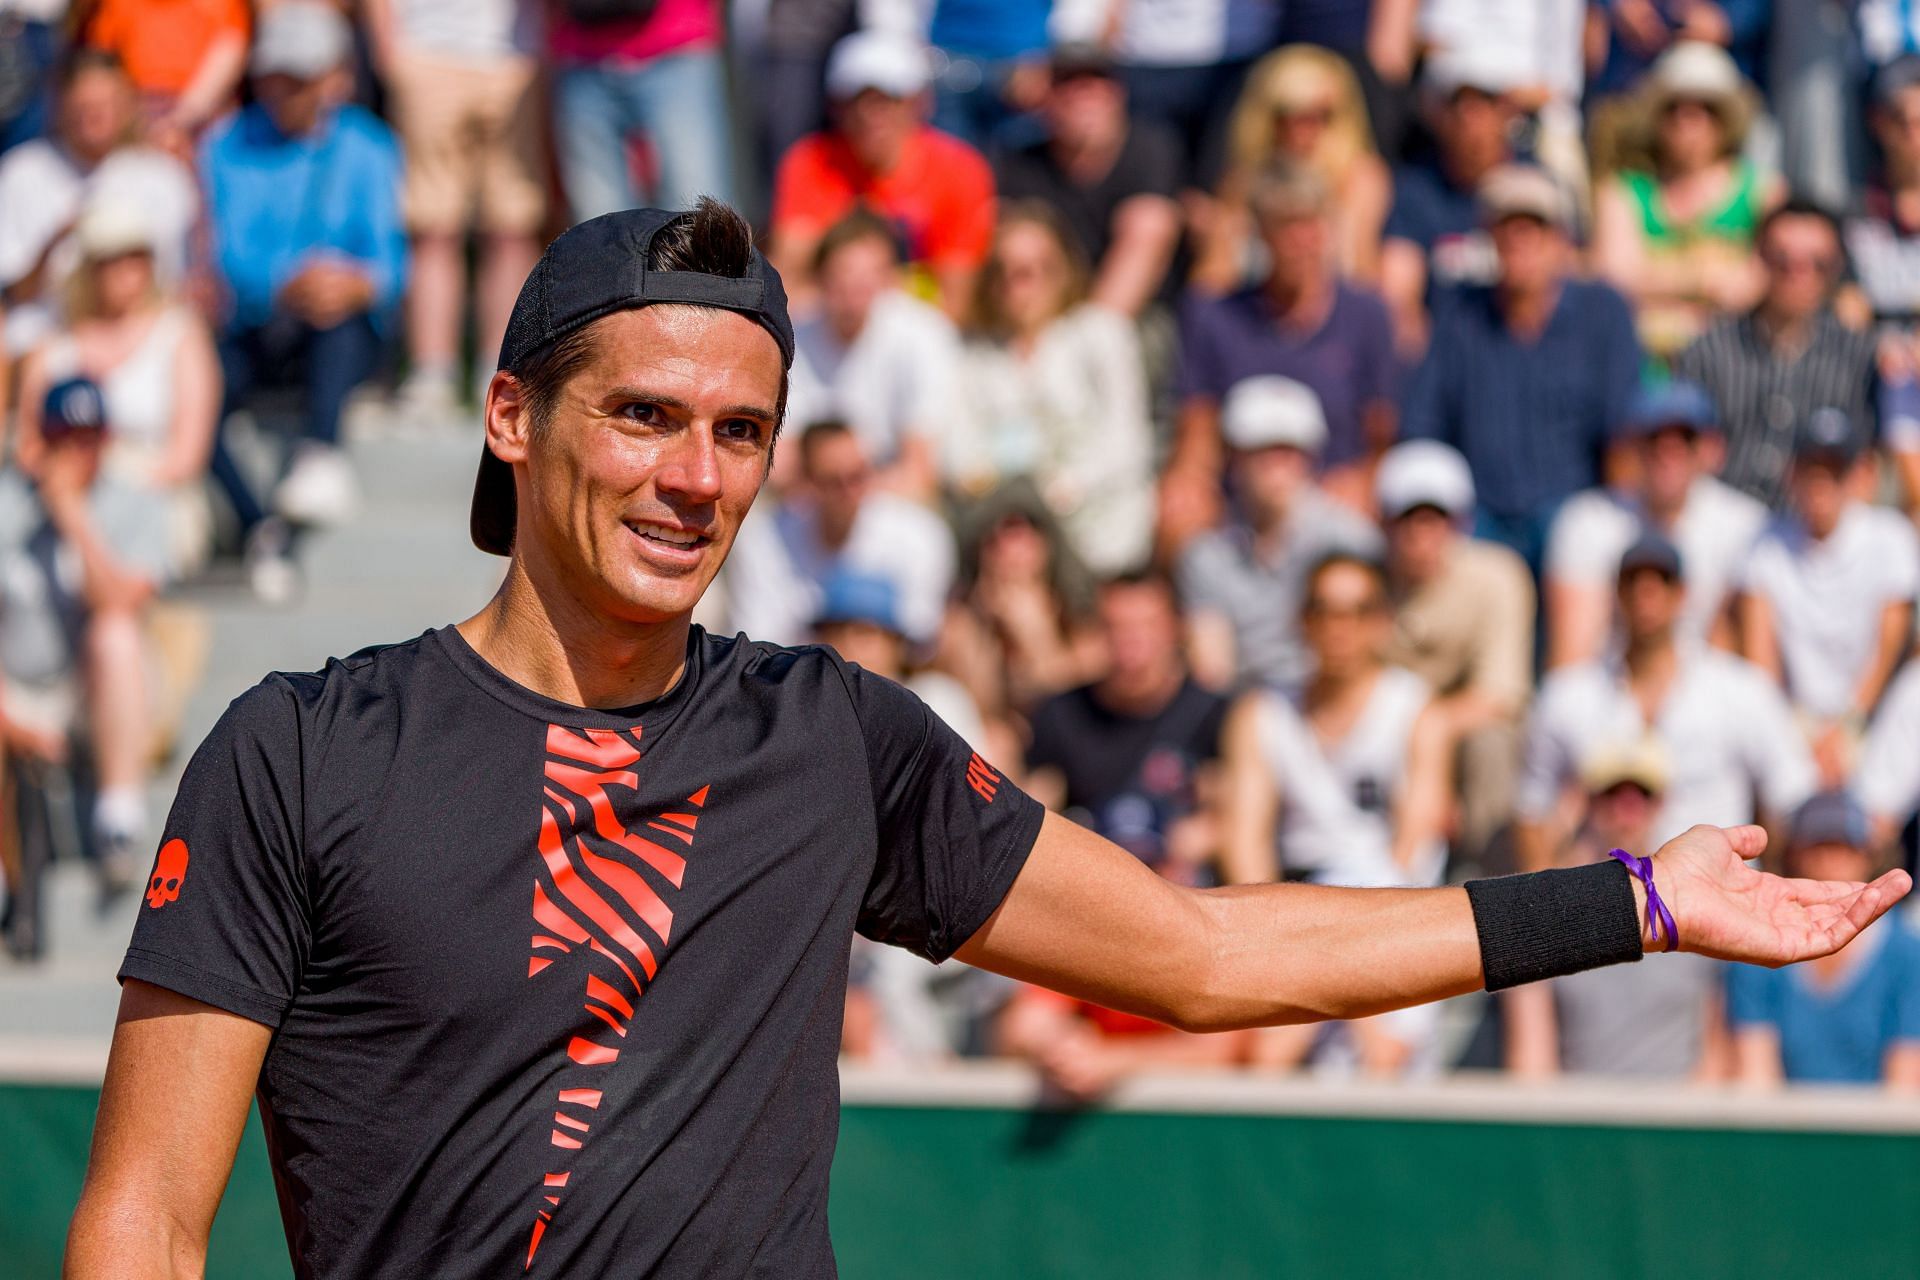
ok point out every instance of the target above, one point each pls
(319, 488)
(271, 572)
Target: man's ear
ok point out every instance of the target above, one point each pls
(508, 419)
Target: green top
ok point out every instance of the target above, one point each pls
(1735, 219)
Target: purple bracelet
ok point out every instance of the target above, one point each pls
(1659, 919)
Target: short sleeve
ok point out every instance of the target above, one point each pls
(1753, 996)
(226, 918)
(1585, 542)
(953, 831)
(963, 233)
(806, 196)
(1199, 371)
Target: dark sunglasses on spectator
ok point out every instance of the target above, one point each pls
(1823, 263)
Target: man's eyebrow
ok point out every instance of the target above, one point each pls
(760, 413)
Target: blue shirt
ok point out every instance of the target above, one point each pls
(1533, 418)
(1445, 221)
(277, 204)
(1841, 1034)
(990, 28)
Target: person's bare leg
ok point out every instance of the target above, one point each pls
(506, 259)
(118, 712)
(436, 296)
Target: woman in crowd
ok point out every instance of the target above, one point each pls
(1302, 104)
(1674, 229)
(1055, 391)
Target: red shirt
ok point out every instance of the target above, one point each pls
(940, 195)
(674, 26)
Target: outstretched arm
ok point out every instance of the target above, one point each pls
(1086, 918)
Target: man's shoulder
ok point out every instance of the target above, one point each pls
(949, 157)
(34, 161)
(1479, 563)
(365, 132)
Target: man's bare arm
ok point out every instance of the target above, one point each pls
(157, 1172)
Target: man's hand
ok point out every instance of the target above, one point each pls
(1727, 910)
(325, 293)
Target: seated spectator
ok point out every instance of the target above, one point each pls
(1887, 781)
(1829, 593)
(1052, 388)
(1303, 322)
(1635, 33)
(1849, 1018)
(1084, 1051)
(1125, 756)
(1768, 370)
(153, 361)
(304, 193)
(1724, 726)
(935, 190)
(1463, 622)
(1302, 105)
(1674, 229)
(1112, 180)
(838, 522)
(185, 57)
(1675, 435)
(1242, 583)
(627, 71)
(1527, 378)
(463, 84)
(94, 153)
(877, 358)
(1434, 235)
(1651, 1021)
(1883, 245)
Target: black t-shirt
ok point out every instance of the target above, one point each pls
(1148, 164)
(558, 990)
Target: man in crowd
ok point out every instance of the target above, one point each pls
(1676, 437)
(1887, 780)
(1724, 726)
(304, 194)
(1463, 620)
(1241, 583)
(1113, 180)
(936, 190)
(1770, 369)
(1527, 378)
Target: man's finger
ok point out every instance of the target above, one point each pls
(1871, 903)
(1749, 842)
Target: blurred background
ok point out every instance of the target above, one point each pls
(1360, 442)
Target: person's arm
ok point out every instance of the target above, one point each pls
(1146, 228)
(1756, 1056)
(213, 84)
(1617, 253)
(1392, 39)
(1363, 213)
(29, 446)
(1532, 1031)
(1900, 1070)
(1759, 643)
(1578, 614)
(1403, 282)
(107, 581)
(1425, 804)
(1211, 652)
(1896, 625)
(156, 1173)
(1249, 800)
(196, 406)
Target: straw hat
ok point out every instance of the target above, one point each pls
(1695, 71)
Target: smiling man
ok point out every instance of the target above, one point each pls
(531, 934)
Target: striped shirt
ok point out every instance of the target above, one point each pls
(1763, 396)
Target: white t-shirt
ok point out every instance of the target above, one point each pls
(1828, 596)
(901, 376)
(1714, 534)
(1192, 33)
(1887, 779)
(1726, 728)
(475, 29)
(1538, 42)
(778, 570)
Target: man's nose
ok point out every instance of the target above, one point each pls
(691, 468)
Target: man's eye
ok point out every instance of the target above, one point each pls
(741, 429)
(640, 411)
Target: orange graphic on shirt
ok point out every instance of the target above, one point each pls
(602, 896)
(981, 777)
(169, 873)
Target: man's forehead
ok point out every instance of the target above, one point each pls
(697, 348)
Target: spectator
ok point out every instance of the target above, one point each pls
(1829, 592)
(1638, 32)
(627, 68)
(1769, 369)
(154, 363)
(1887, 782)
(838, 523)
(877, 358)
(1724, 726)
(995, 66)
(1112, 180)
(94, 153)
(462, 80)
(1083, 1050)
(860, 620)
(1434, 235)
(1302, 105)
(1676, 438)
(1126, 755)
(1850, 1018)
(184, 56)
(1527, 378)
(1463, 622)
(1053, 389)
(307, 235)
(35, 46)
(795, 44)
(935, 190)
(1883, 244)
(1242, 583)
(1674, 230)
(1650, 1021)
(1303, 322)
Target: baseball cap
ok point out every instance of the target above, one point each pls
(1675, 403)
(304, 39)
(896, 65)
(109, 228)
(593, 270)
(1423, 473)
(1830, 434)
(1651, 551)
(860, 597)
(1642, 762)
(1896, 78)
(74, 404)
(1475, 65)
(1524, 191)
(1270, 410)
(1829, 817)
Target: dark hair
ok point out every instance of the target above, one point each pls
(83, 59)
(1142, 576)
(860, 224)
(815, 432)
(1367, 562)
(1800, 207)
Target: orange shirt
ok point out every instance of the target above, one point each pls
(939, 197)
(162, 41)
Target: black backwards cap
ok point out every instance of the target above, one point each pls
(594, 270)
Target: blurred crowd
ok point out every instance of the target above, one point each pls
(1363, 443)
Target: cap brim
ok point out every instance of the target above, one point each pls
(492, 520)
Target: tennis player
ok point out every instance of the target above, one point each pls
(530, 934)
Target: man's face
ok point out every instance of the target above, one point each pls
(1649, 603)
(295, 105)
(869, 644)
(1532, 254)
(1820, 492)
(1802, 259)
(838, 473)
(1298, 244)
(851, 279)
(1344, 619)
(1269, 480)
(95, 112)
(1897, 125)
(1141, 630)
(1622, 813)
(1417, 543)
(1831, 860)
(1473, 129)
(631, 496)
(1085, 108)
(877, 126)
(1669, 464)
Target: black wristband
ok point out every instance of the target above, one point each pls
(1546, 924)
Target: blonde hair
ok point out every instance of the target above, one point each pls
(81, 301)
(1277, 79)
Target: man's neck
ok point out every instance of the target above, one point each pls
(1302, 304)
(1527, 311)
(1334, 690)
(1785, 334)
(1666, 512)
(1652, 658)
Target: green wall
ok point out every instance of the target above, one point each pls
(976, 1192)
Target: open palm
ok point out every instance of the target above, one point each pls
(1728, 910)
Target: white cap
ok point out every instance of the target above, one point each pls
(1423, 473)
(108, 228)
(304, 39)
(1476, 65)
(1270, 410)
(896, 65)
